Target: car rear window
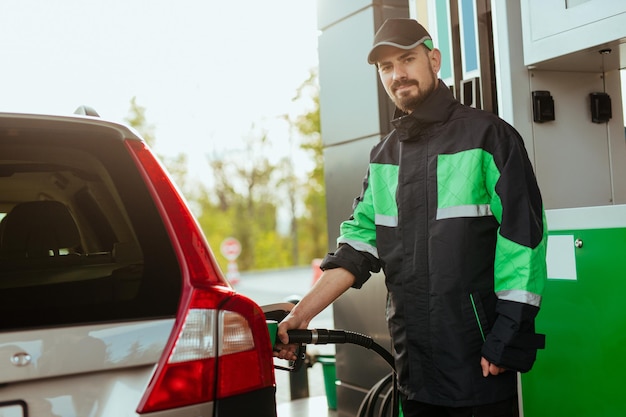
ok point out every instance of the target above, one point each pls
(81, 240)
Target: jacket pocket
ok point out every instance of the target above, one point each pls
(479, 314)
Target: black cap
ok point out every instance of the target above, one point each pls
(401, 33)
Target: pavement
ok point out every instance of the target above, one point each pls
(310, 407)
(275, 286)
(315, 405)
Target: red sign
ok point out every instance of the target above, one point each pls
(230, 248)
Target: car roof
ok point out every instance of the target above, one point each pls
(70, 122)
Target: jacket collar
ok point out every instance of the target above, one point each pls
(435, 109)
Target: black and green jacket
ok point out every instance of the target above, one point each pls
(450, 209)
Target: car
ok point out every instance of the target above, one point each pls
(111, 300)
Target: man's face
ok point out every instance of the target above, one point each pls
(408, 76)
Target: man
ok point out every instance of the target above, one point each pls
(452, 213)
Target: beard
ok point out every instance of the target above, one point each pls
(410, 101)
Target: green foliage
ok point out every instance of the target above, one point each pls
(137, 119)
(313, 223)
(248, 192)
(272, 251)
(244, 190)
(176, 166)
(217, 226)
(262, 246)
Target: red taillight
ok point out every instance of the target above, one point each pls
(221, 349)
(219, 346)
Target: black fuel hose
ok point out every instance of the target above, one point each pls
(324, 337)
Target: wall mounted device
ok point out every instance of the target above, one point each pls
(543, 106)
(600, 107)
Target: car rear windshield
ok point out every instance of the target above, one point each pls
(81, 240)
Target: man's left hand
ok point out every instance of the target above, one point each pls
(489, 368)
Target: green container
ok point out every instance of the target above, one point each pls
(330, 379)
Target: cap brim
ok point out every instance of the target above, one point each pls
(372, 59)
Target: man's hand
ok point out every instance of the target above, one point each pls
(282, 348)
(331, 284)
(490, 369)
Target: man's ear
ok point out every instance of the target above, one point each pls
(435, 60)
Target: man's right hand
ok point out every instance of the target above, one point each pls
(283, 349)
(331, 284)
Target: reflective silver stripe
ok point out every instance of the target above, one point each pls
(360, 246)
(389, 221)
(472, 210)
(520, 296)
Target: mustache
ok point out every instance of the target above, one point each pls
(403, 83)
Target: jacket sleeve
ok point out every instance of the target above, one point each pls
(359, 263)
(520, 260)
(356, 250)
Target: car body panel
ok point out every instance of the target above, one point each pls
(80, 349)
(107, 393)
(82, 370)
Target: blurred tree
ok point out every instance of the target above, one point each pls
(244, 194)
(245, 197)
(313, 223)
(290, 182)
(177, 165)
(137, 119)
(249, 191)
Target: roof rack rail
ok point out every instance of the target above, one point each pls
(86, 111)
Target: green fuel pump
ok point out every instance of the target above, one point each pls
(583, 314)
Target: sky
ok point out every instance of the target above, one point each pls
(208, 73)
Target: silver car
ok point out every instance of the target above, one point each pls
(111, 303)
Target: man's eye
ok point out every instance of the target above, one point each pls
(384, 68)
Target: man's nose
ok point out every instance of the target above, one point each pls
(399, 73)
